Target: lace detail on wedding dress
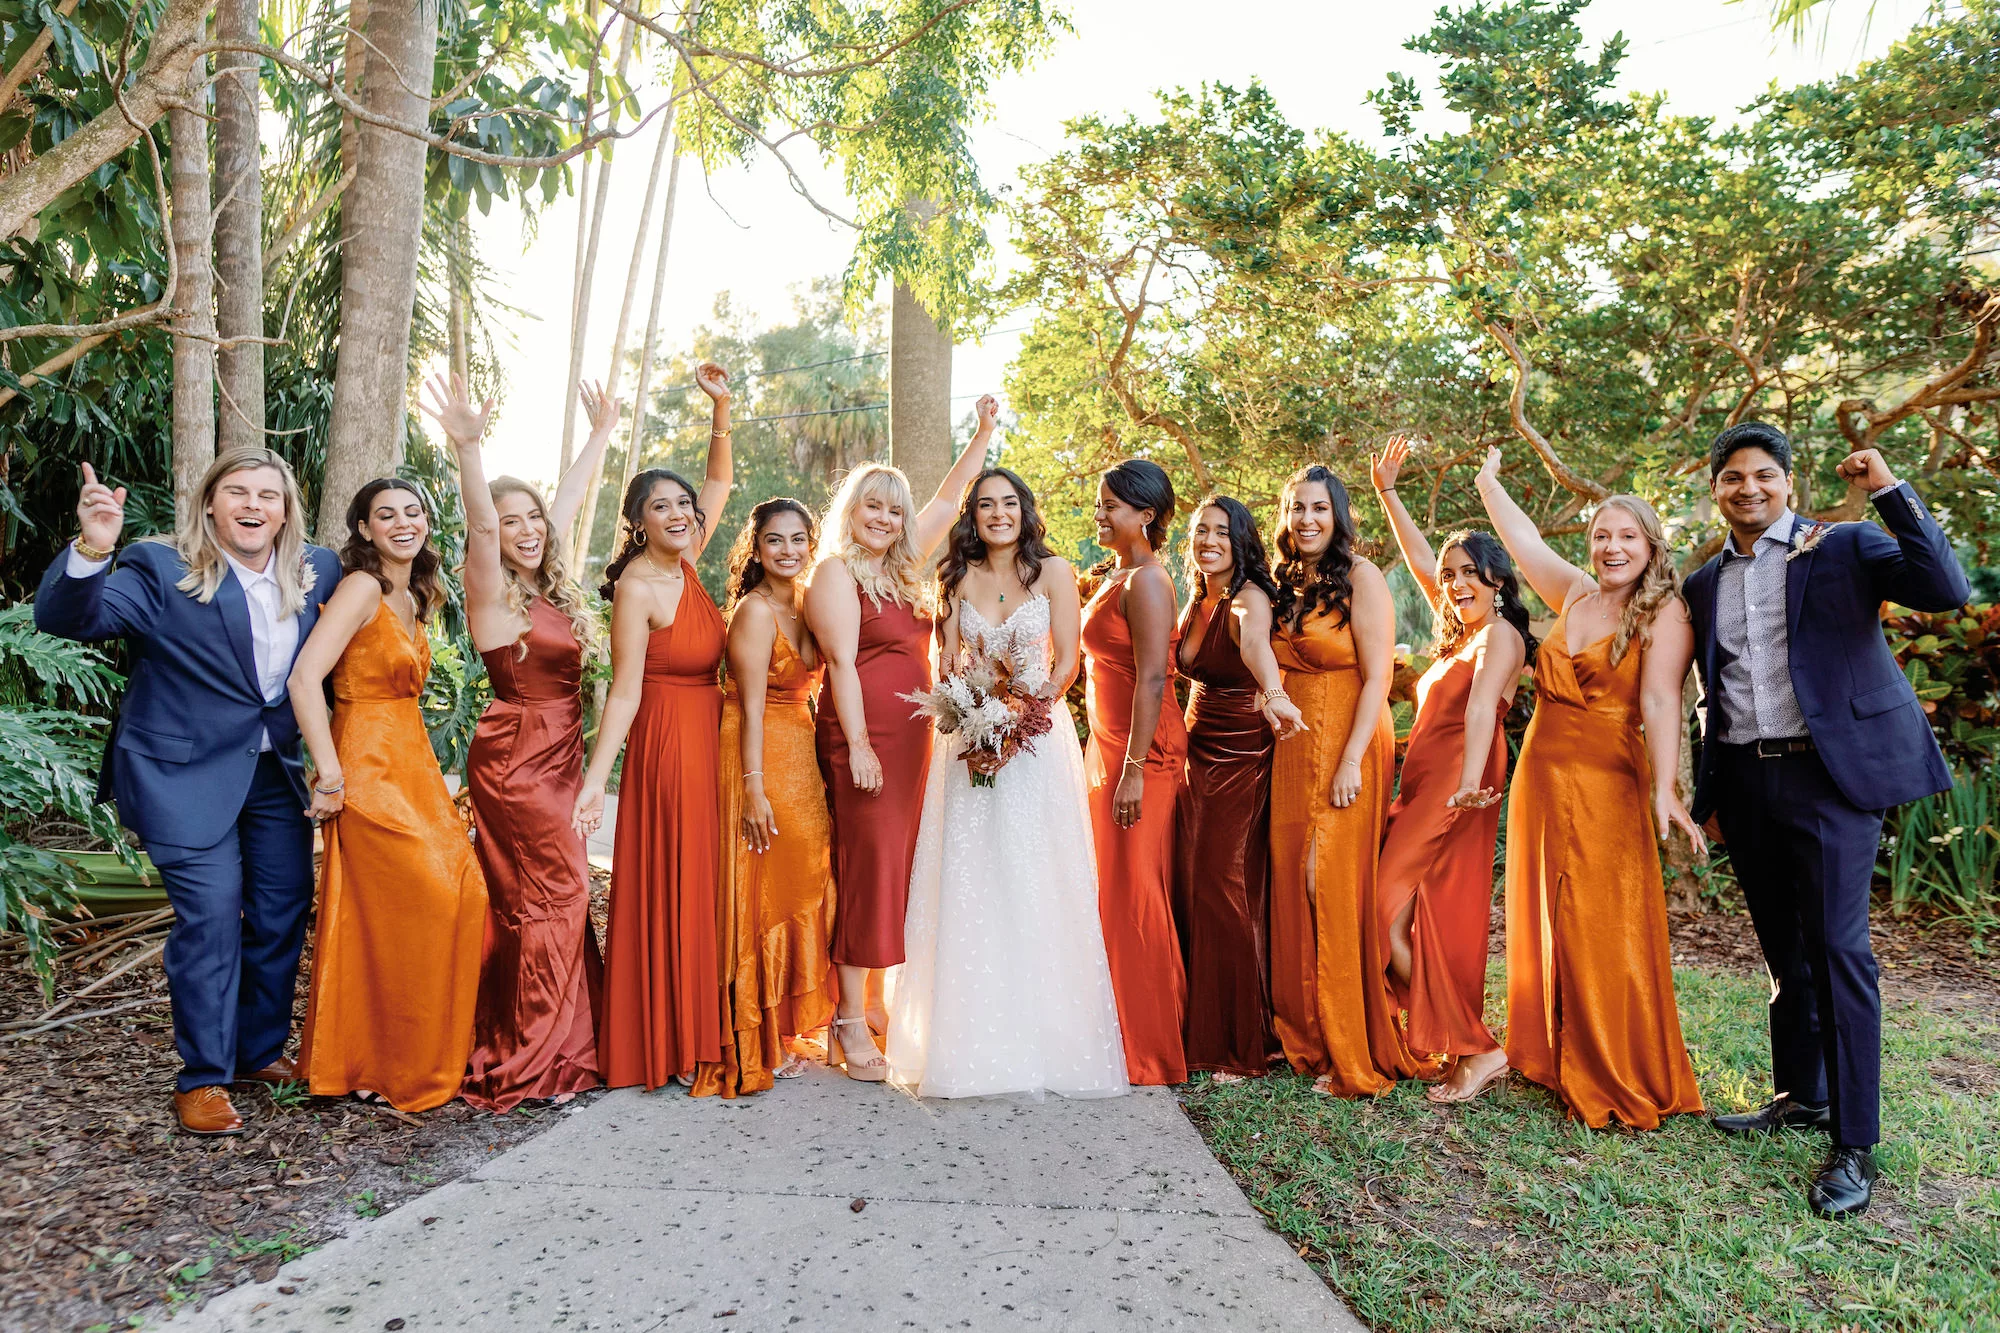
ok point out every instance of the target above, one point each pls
(1006, 988)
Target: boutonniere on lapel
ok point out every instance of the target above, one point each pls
(308, 576)
(1814, 534)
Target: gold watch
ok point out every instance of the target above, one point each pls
(92, 553)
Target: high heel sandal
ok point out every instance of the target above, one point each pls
(836, 1045)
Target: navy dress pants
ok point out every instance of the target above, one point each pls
(232, 956)
(1805, 856)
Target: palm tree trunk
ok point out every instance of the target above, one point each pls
(580, 301)
(381, 223)
(194, 345)
(239, 229)
(919, 394)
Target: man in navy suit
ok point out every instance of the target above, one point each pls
(204, 757)
(1812, 732)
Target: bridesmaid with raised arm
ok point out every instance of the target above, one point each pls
(1590, 985)
(1236, 711)
(775, 908)
(1330, 789)
(402, 906)
(541, 980)
(1436, 873)
(1138, 746)
(868, 605)
(662, 997)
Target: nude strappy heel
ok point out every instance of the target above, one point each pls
(836, 1045)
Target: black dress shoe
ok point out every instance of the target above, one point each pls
(1781, 1112)
(1845, 1184)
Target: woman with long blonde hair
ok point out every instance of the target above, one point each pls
(869, 610)
(541, 981)
(1590, 988)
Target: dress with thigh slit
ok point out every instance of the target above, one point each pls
(1442, 858)
(1590, 983)
(1329, 996)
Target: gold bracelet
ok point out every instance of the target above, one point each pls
(92, 553)
(718, 434)
(1130, 762)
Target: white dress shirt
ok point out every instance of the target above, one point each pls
(274, 636)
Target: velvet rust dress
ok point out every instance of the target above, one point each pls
(1135, 866)
(1222, 855)
(402, 904)
(542, 979)
(662, 993)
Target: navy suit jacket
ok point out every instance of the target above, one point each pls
(1860, 710)
(185, 745)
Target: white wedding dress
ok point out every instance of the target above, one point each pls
(1005, 987)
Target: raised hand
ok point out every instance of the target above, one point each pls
(1490, 469)
(987, 409)
(100, 510)
(1867, 470)
(712, 380)
(601, 411)
(1383, 471)
(452, 409)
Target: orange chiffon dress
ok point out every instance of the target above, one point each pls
(542, 981)
(1330, 997)
(1135, 866)
(1590, 986)
(774, 910)
(1443, 858)
(875, 837)
(402, 906)
(662, 995)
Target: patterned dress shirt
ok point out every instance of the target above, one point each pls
(1753, 652)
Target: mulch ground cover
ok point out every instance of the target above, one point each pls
(110, 1216)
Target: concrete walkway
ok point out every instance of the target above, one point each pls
(823, 1204)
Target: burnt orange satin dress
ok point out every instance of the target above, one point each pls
(541, 985)
(1135, 866)
(662, 994)
(774, 910)
(1444, 859)
(1330, 999)
(1590, 985)
(402, 906)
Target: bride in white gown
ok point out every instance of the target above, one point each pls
(1005, 988)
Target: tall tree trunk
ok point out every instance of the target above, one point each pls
(641, 390)
(919, 395)
(586, 275)
(587, 518)
(382, 219)
(194, 354)
(239, 229)
(458, 280)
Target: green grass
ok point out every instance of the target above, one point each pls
(1504, 1214)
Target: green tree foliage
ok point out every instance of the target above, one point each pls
(1598, 285)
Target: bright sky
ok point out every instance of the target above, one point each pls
(746, 233)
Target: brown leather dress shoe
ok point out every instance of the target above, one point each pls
(280, 1070)
(207, 1112)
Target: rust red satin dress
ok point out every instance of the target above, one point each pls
(1590, 985)
(662, 995)
(875, 837)
(1135, 866)
(1444, 859)
(1222, 855)
(774, 910)
(541, 984)
(1329, 996)
(402, 906)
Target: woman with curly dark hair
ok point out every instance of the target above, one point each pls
(1138, 745)
(402, 903)
(1330, 789)
(775, 891)
(1236, 711)
(1437, 856)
